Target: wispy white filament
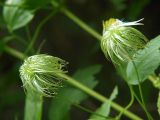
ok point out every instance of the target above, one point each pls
(40, 74)
(120, 41)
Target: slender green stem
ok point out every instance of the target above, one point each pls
(7, 39)
(139, 101)
(88, 110)
(142, 105)
(129, 104)
(14, 52)
(40, 46)
(83, 88)
(132, 97)
(35, 36)
(99, 97)
(79, 22)
(33, 106)
(28, 32)
(20, 39)
(91, 112)
(141, 93)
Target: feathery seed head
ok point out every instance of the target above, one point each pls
(120, 41)
(40, 74)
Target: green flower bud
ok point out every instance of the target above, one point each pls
(39, 73)
(119, 41)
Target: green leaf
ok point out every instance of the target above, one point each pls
(104, 110)
(158, 103)
(69, 95)
(15, 14)
(147, 60)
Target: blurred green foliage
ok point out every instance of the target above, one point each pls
(65, 39)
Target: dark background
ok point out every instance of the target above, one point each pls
(68, 41)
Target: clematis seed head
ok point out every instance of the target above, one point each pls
(39, 73)
(120, 41)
